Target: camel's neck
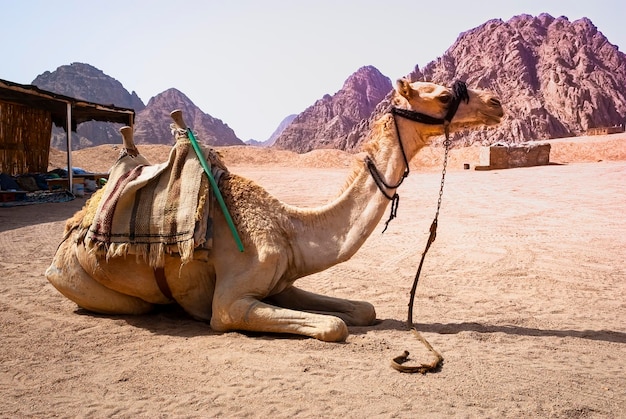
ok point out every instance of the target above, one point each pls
(333, 233)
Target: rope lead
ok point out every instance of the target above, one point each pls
(395, 201)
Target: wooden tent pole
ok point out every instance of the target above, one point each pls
(68, 130)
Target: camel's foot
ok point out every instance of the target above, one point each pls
(362, 313)
(256, 316)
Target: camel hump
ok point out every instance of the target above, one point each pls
(177, 116)
(127, 138)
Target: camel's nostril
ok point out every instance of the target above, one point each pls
(495, 102)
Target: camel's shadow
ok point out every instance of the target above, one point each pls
(174, 321)
(169, 320)
(454, 328)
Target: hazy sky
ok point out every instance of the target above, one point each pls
(252, 63)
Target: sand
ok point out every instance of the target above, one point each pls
(523, 293)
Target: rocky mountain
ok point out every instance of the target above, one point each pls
(86, 82)
(326, 123)
(556, 78)
(152, 125)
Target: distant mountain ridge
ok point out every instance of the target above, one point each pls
(281, 127)
(555, 78)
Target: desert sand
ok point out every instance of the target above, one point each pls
(523, 293)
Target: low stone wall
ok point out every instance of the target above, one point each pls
(605, 130)
(516, 155)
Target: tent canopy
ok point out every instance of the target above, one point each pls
(26, 114)
(82, 111)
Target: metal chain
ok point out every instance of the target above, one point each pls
(446, 144)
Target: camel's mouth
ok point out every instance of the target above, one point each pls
(493, 117)
(492, 120)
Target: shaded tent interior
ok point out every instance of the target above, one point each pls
(26, 117)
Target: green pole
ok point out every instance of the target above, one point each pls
(218, 194)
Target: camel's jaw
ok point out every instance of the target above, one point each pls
(484, 118)
(491, 120)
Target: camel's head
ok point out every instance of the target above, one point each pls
(475, 107)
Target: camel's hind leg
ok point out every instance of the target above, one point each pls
(354, 313)
(71, 280)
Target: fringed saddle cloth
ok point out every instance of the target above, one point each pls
(151, 210)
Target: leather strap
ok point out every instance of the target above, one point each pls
(159, 275)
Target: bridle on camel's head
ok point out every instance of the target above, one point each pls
(459, 94)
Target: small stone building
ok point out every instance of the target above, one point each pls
(605, 130)
(505, 156)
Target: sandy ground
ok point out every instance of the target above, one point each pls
(523, 293)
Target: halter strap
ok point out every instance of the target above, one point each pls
(417, 116)
(459, 92)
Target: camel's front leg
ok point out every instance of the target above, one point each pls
(354, 313)
(251, 314)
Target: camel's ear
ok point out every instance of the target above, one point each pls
(404, 88)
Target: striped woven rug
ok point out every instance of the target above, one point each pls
(152, 210)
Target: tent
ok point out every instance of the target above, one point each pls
(26, 117)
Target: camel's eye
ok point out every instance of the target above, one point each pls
(445, 98)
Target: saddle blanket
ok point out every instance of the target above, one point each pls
(153, 210)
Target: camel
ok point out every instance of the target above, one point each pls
(254, 290)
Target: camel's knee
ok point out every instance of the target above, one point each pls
(240, 314)
(221, 321)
